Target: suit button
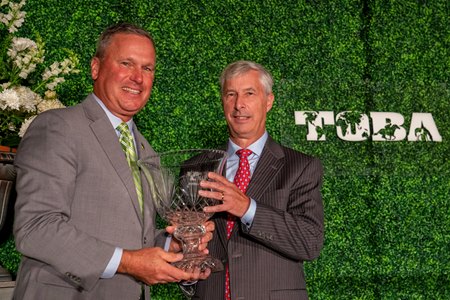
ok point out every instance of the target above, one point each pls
(145, 240)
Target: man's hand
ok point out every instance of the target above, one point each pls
(152, 266)
(232, 199)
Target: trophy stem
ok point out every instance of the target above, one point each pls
(190, 237)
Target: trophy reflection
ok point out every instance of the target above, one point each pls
(173, 180)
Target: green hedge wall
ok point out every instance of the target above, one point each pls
(386, 203)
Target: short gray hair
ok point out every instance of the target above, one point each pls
(126, 28)
(243, 66)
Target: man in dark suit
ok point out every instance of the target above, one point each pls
(83, 222)
(276, 221)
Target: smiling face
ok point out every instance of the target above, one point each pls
(245, 104)
(123, 77)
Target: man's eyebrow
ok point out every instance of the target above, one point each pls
(249, 89)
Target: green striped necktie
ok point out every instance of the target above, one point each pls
(127, 143)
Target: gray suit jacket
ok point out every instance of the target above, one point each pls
(76, 202)
(266, 262)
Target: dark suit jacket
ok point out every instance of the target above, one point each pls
(266, 262)
(76, 201)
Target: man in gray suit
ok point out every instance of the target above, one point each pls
(79, 223)
(279, 220)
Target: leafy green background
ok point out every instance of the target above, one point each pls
(386, 203)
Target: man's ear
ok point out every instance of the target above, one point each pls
(95, 66)
(270, 99)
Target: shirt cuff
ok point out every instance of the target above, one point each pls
(167, 244)
(247, 218)
(113, 264)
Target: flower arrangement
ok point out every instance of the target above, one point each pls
(23, 94)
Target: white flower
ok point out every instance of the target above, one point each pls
(15, 17)
(52, 85)
(49, 104)
(19, 98)
(51, 74)
(25, 125)
(50, 95)
(25, 55)
(22, 44)
(65, 67)
(11, 127)
(5, 85)
(9, 99)
(42, 106)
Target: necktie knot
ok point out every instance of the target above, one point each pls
(243, 153)
(127, 142)
(123, 129)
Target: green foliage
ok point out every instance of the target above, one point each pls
(166, 291)
(9, 257)
(386, 203)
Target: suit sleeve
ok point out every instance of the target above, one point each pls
(47, 165)
(294, 228)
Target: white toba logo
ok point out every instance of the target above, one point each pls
(380, 126)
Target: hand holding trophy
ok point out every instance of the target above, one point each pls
(173, 181)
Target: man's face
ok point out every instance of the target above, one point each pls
(245, 104)
(123, 78)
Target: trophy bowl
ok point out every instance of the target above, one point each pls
(173, 181)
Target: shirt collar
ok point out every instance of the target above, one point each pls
(115, 121)
(257, 147)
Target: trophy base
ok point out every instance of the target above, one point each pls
(202, 262)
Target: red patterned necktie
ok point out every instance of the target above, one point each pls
(241, 180)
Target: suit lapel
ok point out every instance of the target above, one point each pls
(108, 140)
(268, 166)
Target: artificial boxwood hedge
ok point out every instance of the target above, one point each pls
(386, 203)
